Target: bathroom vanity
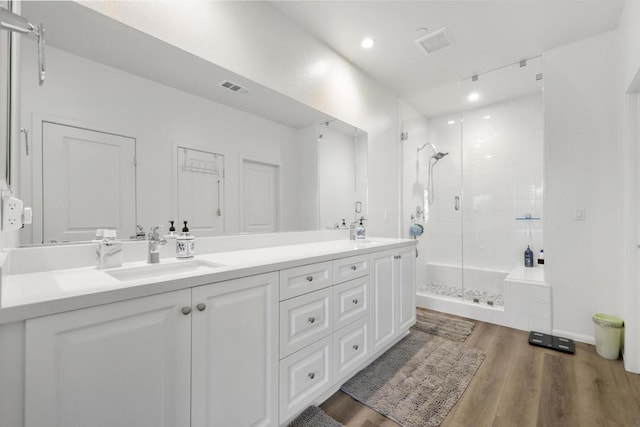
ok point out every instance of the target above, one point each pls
(238, 338)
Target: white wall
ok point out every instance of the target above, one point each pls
(159, 116)
(583, 259)
(255, 40)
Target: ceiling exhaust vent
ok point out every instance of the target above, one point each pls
(234, 87)
(434, 41)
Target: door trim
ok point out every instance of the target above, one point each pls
(631, 221)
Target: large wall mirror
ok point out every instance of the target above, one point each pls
(128, 130)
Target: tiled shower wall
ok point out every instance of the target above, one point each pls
(498, 173)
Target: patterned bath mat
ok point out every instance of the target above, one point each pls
(444, 326)
(314, 417)
(418, 381)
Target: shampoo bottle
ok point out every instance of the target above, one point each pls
(541, 257)
(528, 257)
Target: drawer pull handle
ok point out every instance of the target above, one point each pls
(309, 278)
(201, 306)
(355, 347)
(355, 301)
(312, 375)
(186, 310)
(311, 319)
(354, 268)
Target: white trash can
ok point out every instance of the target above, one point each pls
(609, 331)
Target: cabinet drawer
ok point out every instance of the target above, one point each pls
(351, 349)
(304, 279)
(350, 301)
(349, 268)
(305, 319)
(304, 376)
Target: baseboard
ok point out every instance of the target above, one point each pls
(587, 339)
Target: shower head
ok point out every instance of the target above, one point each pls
(436, 154)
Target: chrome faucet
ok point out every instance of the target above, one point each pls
(154, 245)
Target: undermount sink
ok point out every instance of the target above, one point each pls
(152, 271)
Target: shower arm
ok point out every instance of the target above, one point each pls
(13, 22)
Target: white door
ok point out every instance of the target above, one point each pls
(88, 182)
(235, 353)
(383, 300)
(260, 197)
(200, 191)
(121, 364)
(405, 276)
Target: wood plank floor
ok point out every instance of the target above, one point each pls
(521, 385)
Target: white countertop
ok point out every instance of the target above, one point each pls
(30, 295)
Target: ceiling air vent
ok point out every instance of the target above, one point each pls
(433, 41)
(234, 87)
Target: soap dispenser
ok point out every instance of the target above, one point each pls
(185, 243)
(172, 232)
(361, 232)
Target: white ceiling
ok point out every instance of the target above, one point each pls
(116, 45)
(486, 35)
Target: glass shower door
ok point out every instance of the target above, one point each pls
(432, 199)
(502, 152)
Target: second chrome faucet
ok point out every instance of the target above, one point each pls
(155, 241)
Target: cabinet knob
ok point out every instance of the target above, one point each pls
(201, 307)
(355, 301)
(353, 267)
(312, 375)
(186, 310)
(355, 347)
(311, 319)
(310, 278)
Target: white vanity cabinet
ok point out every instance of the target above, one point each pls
(251, 351)
(120, 364)
(235, 353)
(392, 295)
(200, 357)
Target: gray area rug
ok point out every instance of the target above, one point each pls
(444, 326)
(314, 417)
(418, 381)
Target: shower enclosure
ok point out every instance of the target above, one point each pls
(473, 178)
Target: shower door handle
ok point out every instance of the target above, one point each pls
(456, 203)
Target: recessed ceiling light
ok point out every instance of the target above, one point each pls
(486, 117)
(473, 96)
(489, 156)
(367, 43)
(451, 122)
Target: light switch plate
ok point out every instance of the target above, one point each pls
(579, 214)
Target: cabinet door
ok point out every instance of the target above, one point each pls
(235, 353)
(383, 300)
(406, 286)
(121, 364)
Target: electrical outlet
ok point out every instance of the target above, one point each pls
(11, 214)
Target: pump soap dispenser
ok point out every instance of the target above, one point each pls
(185, 243)
(361, 232)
